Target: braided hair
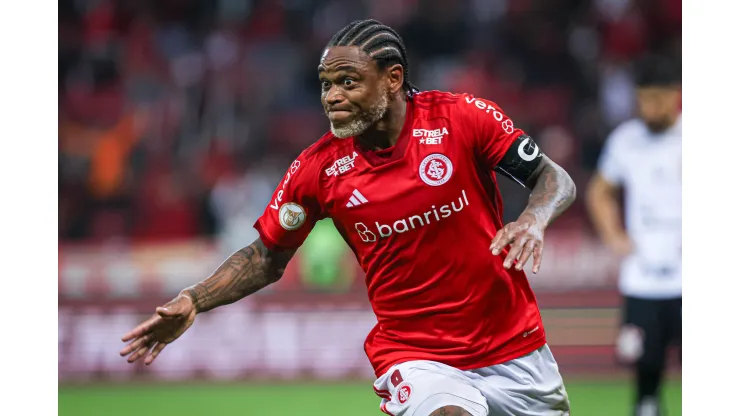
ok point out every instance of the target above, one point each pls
(380, 42)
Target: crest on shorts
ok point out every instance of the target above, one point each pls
(403, 392)
(291, 216)
(435, 169)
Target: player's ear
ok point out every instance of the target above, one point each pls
(395, 78)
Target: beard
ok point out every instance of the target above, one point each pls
(363, 120)
(658, 126)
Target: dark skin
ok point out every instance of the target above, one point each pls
(351, 85)
(450, 411)
(553, 191)
(243, 273)
(351, 82)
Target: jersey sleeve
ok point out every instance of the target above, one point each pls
(294, 209)
(492, 132)
(610, 165)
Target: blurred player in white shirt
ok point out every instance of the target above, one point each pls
(643, 157)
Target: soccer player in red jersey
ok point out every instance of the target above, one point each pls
(408, 178)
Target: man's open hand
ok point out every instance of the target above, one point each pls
(166, 325)
(525, 235)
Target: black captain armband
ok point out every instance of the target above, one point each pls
(521, 160)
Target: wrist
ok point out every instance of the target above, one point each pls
(189, 294)
(532, 219)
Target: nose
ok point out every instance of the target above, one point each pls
(650, 110)
(334, 96)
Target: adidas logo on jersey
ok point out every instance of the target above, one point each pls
(356, 199)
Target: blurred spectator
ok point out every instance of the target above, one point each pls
(170, 111)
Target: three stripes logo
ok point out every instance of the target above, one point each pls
(356, 199)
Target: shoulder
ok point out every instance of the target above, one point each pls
(323, 151)
(435, 97)
(462, 103)
(327, 146)
(447, 104)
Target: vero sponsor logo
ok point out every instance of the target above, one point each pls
(506, 122)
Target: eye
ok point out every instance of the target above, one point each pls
(348, 82)
(325, 84)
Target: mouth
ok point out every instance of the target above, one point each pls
(337, 115)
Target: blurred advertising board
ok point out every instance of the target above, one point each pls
(310, 324)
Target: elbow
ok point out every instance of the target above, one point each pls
(571, 190)
(592, 197)
(596, 195)
(566, 184)
(271, 272)
(275, 274)
(273, 266)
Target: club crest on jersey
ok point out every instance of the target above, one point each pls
(403, 392)
(341, 165)
(292, 216)
(435, 169)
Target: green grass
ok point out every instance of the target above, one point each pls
(597, 398)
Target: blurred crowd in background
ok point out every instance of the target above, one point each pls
(177, 118)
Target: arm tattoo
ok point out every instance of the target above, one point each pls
(245, 272)
(553, 191)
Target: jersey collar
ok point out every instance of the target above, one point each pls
(381, 157)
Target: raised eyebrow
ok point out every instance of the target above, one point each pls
(345, 68)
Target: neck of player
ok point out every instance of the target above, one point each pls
(387, 130)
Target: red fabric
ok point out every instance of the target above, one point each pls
(421, 229)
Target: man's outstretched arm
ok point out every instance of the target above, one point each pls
(243, 273)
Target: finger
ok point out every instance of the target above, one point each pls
(142, 329)
(155, 352)
(138, 342)
(537, 258)
(502, 239)
(514, 252)
(140, 352)
(496, 238)
(526, 254)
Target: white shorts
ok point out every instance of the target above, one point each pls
(528, 385)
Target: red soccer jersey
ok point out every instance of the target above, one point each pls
(420, 218)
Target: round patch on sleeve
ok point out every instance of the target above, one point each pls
(292, 216)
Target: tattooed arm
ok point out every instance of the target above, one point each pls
(553, 191)
(245, 272)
